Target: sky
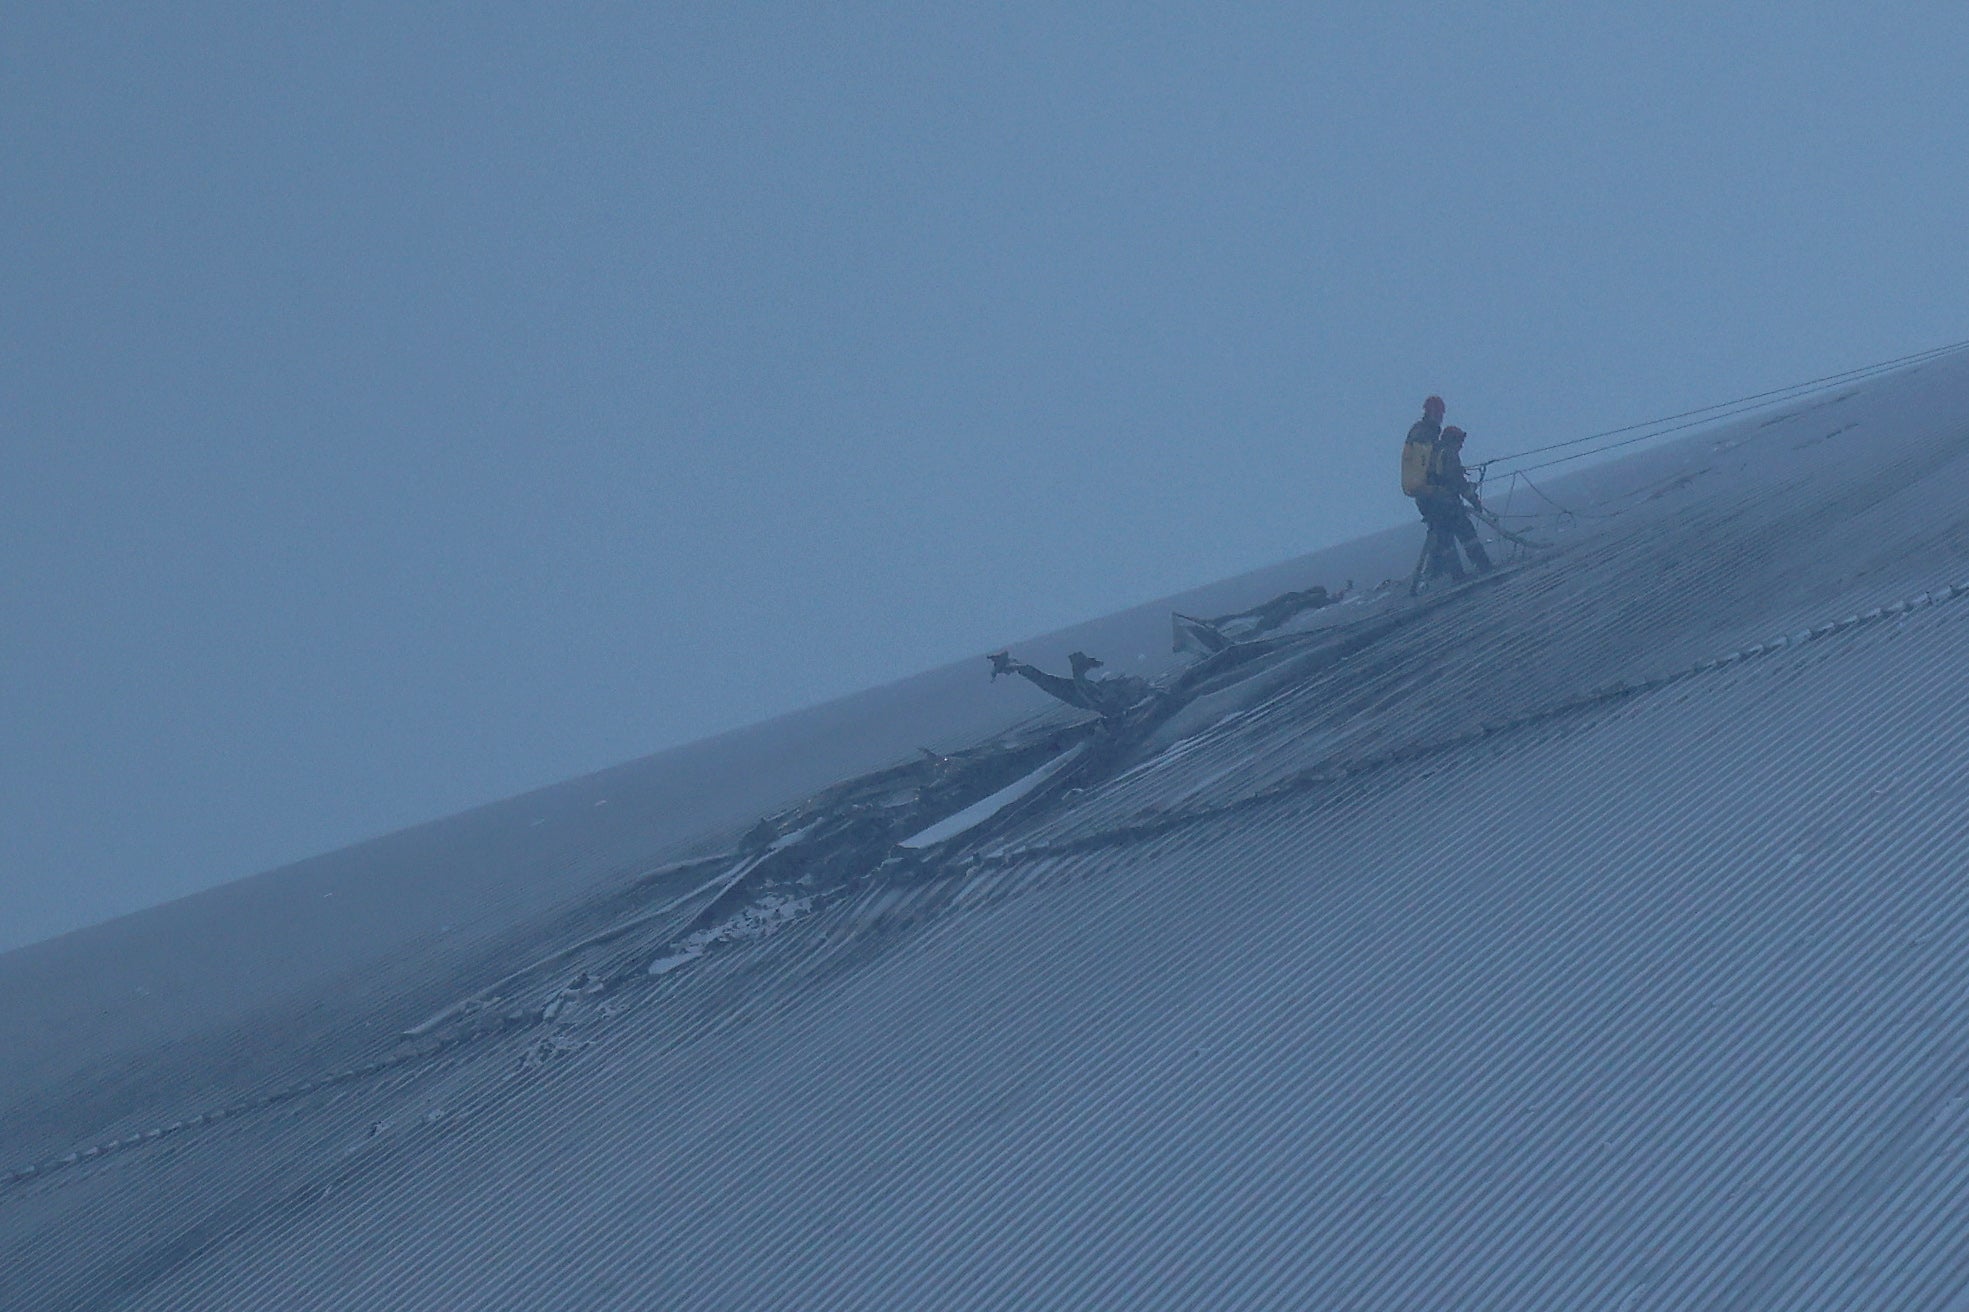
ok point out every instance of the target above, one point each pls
(402, 407)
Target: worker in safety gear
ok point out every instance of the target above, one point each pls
(1445, 491)
(1420, 447)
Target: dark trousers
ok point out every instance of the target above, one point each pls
(1449, 524)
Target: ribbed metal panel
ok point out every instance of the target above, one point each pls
(1611, 950)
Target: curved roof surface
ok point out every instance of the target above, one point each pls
(1591, 936)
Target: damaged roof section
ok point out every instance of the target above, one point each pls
(1590, 936)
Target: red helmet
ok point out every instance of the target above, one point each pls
(1454, 434)
(1433, 406)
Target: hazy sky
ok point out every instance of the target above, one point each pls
(402, 406)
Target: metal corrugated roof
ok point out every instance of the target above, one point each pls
(1597, 938)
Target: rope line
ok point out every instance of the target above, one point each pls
(1565, 512)
(1710, 413)
(1120, 836)
(1341, 772)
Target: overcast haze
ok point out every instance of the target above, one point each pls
(404, 407)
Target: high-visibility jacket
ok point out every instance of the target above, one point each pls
(1418, 454)
(1446, 477)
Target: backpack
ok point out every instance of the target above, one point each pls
(1417, 457)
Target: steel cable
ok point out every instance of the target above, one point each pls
(1652, 428)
